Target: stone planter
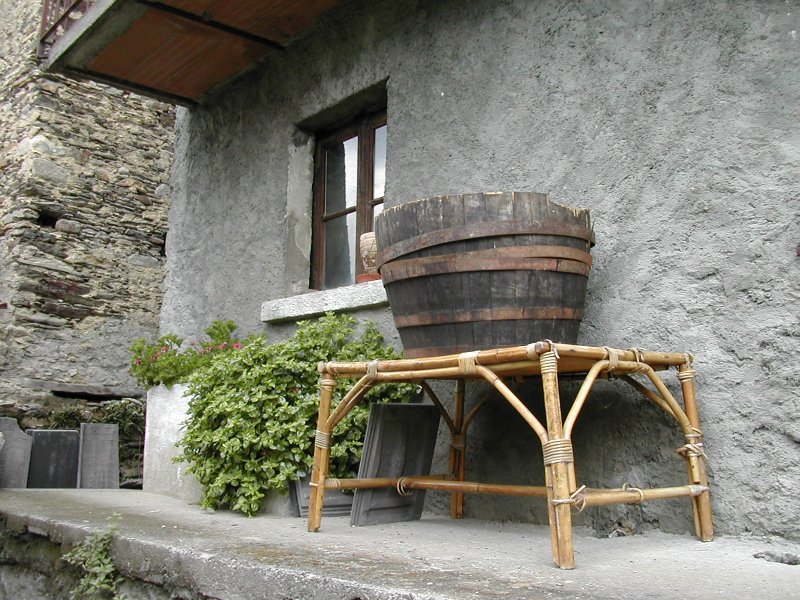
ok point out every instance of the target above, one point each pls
(167, 408)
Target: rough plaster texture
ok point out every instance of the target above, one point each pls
(83, 203)
(675, 123)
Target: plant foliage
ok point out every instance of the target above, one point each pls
(253, 412)
(168, 361)
(92, 556)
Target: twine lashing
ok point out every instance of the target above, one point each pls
(548, 363)
(553, 348)
(466, 362)
(694, 445)
(401, 487)
(557, 451)
(372, 368)
(612, 354)
(576, 498)
(638, 353)
(692, 450)
(627, 487)
(322, 439)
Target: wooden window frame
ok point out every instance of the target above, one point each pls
(364, 127)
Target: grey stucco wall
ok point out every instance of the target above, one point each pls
(676, 123)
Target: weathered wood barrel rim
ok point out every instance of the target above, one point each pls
(452, 234)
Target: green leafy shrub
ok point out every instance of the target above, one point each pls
(252, 416)
(167, 361)
(100, 578)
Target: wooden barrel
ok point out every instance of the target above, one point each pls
(478, 271)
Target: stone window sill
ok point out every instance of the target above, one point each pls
(344, 299)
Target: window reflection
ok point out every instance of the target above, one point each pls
(379, 187)
(341, 175)
(340, 243)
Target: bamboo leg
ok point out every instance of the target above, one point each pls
(322, 453)
(458, 450)
(551, 513)
(561, 519)
(701, 505)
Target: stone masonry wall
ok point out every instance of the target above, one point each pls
(675, 122)
(83, 203)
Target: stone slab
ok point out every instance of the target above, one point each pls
(15, 455)
(342, 299)
(195, 553)
(54, 458)
(399, 441)
(98, 456)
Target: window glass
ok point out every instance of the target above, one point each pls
(380, 162)
(341, 175)
(340, 243)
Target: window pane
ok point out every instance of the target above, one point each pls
(376, 210)
(340, 244)
(341, 175)
(380, 162)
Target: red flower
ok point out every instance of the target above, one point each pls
(237, 345)
(223, 345)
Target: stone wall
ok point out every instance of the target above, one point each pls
(675, 123)
(83, 203)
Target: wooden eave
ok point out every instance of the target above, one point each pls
(175, 50)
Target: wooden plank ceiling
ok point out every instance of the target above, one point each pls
(184, 48)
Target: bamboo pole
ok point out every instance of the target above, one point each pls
(551, 514)
(558, 470)
(524, 354)
(322, 452)
(376, 482)
(595, 353)
(580, 399)
(458, 449)
(416, 483)
(595, 497)
(701, 505)
(351, 399)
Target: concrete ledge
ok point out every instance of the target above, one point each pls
(344, 299)
(181, 551)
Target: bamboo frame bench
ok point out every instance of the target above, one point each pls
(545, 359)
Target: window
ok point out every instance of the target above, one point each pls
(349, 181)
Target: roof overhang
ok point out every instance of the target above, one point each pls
(172, 50)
